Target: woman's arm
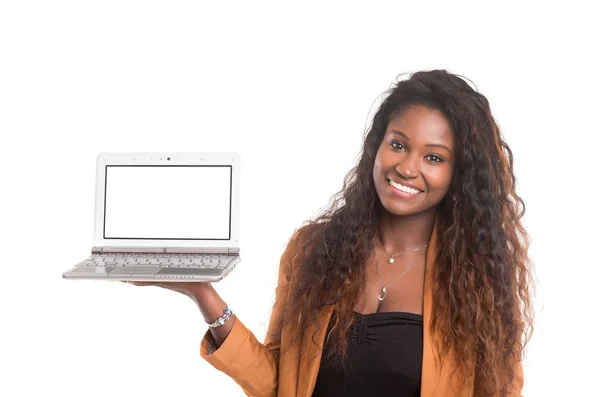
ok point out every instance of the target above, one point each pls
(211, 306)
(235, 350)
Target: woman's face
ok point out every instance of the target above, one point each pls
(417, 156)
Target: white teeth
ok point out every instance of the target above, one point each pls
(404, 188)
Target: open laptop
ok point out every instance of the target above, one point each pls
(164, 217)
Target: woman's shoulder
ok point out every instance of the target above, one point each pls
(306, 232)
(300, 240)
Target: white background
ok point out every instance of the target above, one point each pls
(290, 88)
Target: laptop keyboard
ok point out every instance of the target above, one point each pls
(191, 261)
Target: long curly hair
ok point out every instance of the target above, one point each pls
(483, 276)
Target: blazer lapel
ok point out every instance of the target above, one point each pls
(310, 364)
(430, 376)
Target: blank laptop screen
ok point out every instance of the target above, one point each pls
(168, 202)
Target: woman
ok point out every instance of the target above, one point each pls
(416, 281)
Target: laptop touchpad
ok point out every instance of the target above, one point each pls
(135, 270)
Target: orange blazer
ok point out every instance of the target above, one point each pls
(261, 372)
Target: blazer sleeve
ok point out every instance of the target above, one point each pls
(251, 364)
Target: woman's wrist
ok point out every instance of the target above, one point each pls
(209, 302)
(200, 291)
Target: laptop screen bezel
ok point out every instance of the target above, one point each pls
(166, 159)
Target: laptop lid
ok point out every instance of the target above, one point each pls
(167, 200)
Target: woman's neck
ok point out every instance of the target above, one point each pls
(404, 233)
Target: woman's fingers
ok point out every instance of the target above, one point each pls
(183, 288)
(141, 283)
(154, 283)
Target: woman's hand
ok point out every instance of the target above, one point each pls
(211, 305)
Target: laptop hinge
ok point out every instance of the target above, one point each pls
(166, 250)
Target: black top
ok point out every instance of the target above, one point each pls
(385, 352)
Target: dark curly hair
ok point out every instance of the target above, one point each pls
(483, 276)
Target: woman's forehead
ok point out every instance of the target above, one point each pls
(421, 125)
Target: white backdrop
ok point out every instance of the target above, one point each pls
(290, 88)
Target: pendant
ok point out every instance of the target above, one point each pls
(391, 260)
(384, 292)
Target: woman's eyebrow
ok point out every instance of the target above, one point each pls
(428, 145)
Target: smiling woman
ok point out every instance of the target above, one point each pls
(436, 173)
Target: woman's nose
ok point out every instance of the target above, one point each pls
(407, 168)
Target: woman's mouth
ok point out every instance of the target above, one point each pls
(403, 191)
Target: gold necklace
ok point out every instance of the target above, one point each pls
(383, 286)
(391, 260)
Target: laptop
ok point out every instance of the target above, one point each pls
(164, 217)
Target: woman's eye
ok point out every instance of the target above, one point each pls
(396, 145)
(437, 158)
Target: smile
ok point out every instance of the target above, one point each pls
(403, 188)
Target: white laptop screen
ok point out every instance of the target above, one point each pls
(170, 202)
